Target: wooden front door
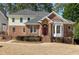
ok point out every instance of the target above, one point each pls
(45, 29)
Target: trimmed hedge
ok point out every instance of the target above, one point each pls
(29, 38)
(76, 41)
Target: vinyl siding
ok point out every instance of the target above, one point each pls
(3, 20)
(17, 21)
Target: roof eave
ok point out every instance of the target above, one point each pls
(32, 23)
(69, 22)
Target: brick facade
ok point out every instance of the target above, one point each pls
(68, 30)
(18, 31)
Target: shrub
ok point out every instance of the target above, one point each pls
(76, 34)
(29, 38)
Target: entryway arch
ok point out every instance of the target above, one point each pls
(45, 27)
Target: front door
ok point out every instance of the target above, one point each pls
(45, 29)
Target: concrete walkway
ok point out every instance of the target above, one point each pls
(10, 41)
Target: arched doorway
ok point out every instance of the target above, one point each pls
(46, 32)
(45, 29)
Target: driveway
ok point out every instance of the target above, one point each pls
(38, 49)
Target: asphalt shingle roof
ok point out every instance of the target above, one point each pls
(38, 15)
(29, 12)
(35, 20)
(2, 16)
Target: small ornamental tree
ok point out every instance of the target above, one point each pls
(76, 34)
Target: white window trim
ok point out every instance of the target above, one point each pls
(61, 30)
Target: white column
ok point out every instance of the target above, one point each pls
(61, 30)
(40, 30)
(55, 29)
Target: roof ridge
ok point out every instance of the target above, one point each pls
(28, 10)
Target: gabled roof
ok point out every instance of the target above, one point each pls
(39, 15)
(35, 20)
(58, 18)
(24, 12)
(2, 16)
(29, 12)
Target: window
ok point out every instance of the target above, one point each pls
(28, 19)
(21, 20)
(32, 29)
(58, 29)
(13, 29)
(13, 19)
(23, 29)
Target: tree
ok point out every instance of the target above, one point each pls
(11, 7)
(33, 6)
(59, 8)
(76, 35)
(71, 12)
(48, 7)
(1, 7)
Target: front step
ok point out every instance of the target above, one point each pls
(46, 39)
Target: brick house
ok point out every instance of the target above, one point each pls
(39, 23)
